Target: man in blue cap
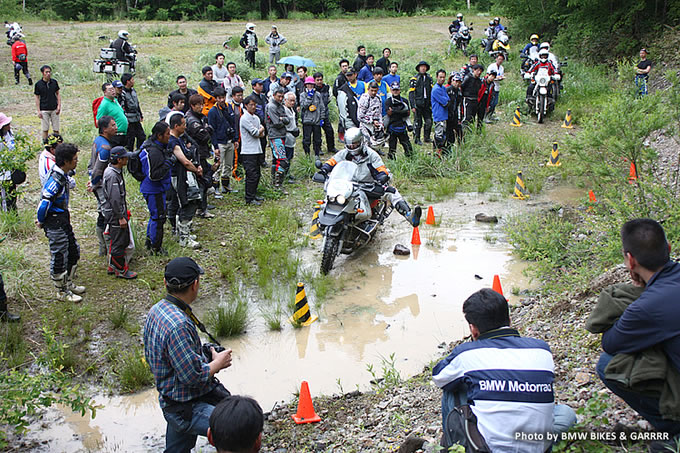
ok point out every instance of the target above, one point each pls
(185, 377)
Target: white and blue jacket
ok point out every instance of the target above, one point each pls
(55, 195)
(509, 381)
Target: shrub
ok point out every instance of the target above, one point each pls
(230, 317)
(162, 14)
(134, 373)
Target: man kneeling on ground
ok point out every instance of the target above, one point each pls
(503, 379)
(647, 326)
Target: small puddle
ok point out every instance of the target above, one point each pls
(405, 306)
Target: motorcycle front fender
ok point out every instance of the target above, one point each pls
(329, 220)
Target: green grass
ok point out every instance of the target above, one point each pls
(13, 348)
(134, 373)
(119, 316)
(16, 224)
(230, 317)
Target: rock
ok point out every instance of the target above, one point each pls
(411, 444)
(401, 250)
(582, 378)
(481, 217)
(478, 277)
(432, 429)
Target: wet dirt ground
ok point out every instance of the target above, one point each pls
(406, 306)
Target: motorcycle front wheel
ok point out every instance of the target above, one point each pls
(542, 105)
(463, 47)
(330, 251)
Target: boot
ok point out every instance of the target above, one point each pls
(278, 182)
(416, 137)
(6, 316)
(413, 217)
(75, 289)
(185, 239)
(102, 242)
(120, 268)
(63, 293)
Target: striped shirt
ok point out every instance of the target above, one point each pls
(172, 349)
(509, 387)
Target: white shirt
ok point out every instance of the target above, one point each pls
(500, 71)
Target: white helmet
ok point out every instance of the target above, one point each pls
(459, 16)
(543, 55)
(545, 45)
(123, 34)
(504, 39)
(354, 141)
(250, 26)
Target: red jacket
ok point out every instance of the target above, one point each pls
(485, 89)
(19, 48)
(540, 64)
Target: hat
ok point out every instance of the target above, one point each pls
(182, 271)
(119, 152)
(309, 79)
(5, 120)
(117, 84)
(287, 75)
(274, 26)
(456, 76)
(423, 63)
(256, 81)
(52, 140)
(395, 86)
(492, 72)
(350, 71)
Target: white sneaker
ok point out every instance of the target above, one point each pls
(75, 289)
(190, 243)
(68, 296)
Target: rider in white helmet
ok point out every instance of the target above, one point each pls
(371, 169)
(551, 56)
(456, 24)
(123, 46)
(249, 43)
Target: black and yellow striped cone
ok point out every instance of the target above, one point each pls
(314, 229)
(516, 118)
(567, 120)
(302, 314)
(554, 160)
(520, 188)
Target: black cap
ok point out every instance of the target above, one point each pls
(182, 271)
(423, 62)
(118, 152)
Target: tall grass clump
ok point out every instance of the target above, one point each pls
(13, 348)
(16, 224)
(230, 317)
(133, 372)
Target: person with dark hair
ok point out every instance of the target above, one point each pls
(46, 159)
(467, 67)
(470, 88)
(183, 368)
(300, 84)
(232, 80)
(440, 113)
(392, 76)
(235, 109)
(236, 425)
(224, 137)
(369, 112)
(219, 70)
(275, 41)
(503, 379)
(133, 113)
(20, 60)
(285, 82)
(262, 101)
(48, 101)
(206, 88)
(419, 94)
(99, 160)
(326, 125)
(341, 79)
(312, 112)
(272, 78)
(116, 212)
(384, 61)
(252, 131)
(484, 97)
(642, 71)
(360, 60)
(177, 106)
(200, 131)
(366, 73)
(184, 91)
(277, 122)
(184, 196)
(454, 132)
(157, 161)
(383, 87)
(111, 107)
(348, 100)
(54, 218)
(398, 112)
(647, 324)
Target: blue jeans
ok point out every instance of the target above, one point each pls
(646, 406)
(564, 416)
(641, 84)
(181, 435)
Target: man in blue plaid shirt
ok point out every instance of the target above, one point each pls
(188, 390)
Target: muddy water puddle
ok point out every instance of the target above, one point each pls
(406, 306)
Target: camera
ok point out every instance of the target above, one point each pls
(207, 353)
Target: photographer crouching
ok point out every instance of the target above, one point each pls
(184, 369)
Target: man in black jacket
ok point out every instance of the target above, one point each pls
(261, 101)
(360, 60)
(454, 133)
(133, 112)
(325, 91)
(200, 131)
(384, 61)
(420, 89)
(348, 102)
(398, 113)
(470, 88)
(183, 90)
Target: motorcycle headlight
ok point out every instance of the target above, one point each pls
(341, 199)
(331, 199)
(543, 81)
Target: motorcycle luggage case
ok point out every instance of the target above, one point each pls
(107, 53)
(122, 67)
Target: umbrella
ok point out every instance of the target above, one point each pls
(297, 60)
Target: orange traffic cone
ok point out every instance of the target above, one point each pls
(305, 411)
(632, 175)
(591, 196)
(497, 285)
(430, 216)
(415, 237)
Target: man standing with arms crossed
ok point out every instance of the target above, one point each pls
(48, 101)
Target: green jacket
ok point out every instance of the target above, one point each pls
(113, 108)
(648, 371)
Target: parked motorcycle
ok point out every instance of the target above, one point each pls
(108, 64)
(501, 46)
(14, 32)
(542, 99)
(461, 39)
(344, 224)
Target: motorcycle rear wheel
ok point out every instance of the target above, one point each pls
(330, 251)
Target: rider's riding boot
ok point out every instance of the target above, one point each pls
(102, 242)
(63, 293)
(75, 289)
(413, 217)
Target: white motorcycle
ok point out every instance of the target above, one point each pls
(541, 100)
(460, 39)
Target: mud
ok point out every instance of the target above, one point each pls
(401, 305)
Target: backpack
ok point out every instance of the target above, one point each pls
(461, 429)
(134, 166)
(95, 106)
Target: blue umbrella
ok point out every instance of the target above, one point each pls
(297, 60)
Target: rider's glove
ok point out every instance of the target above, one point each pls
(382, 178)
